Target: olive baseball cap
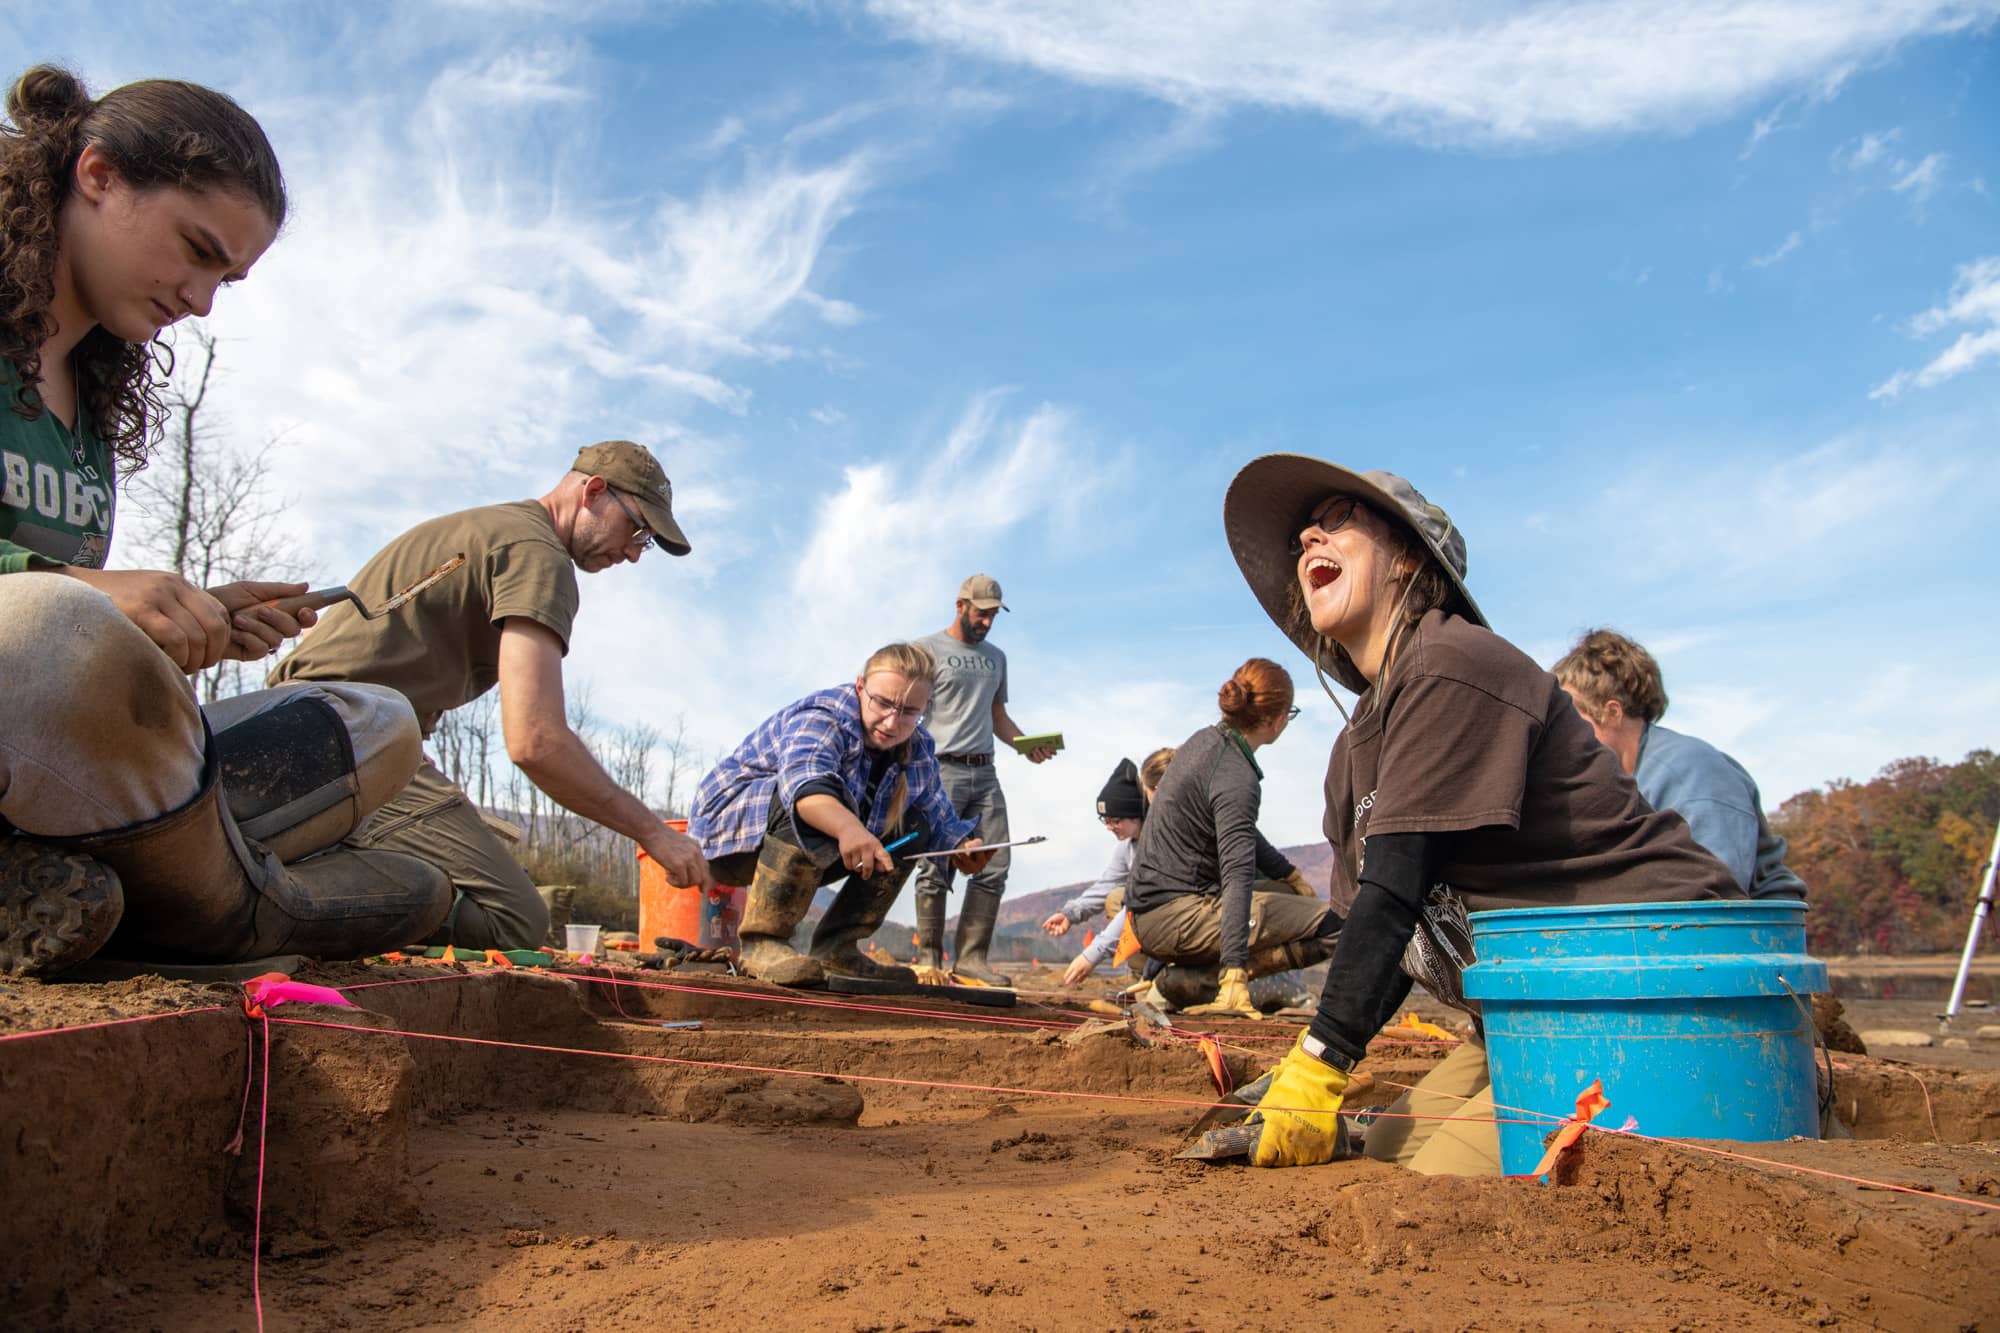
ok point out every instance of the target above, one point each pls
(1269, 503)
(982, 592)
(632, 469)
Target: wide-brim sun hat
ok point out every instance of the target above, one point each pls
(1270, 501)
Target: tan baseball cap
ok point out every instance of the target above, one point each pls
(982, 592)
(632, 469)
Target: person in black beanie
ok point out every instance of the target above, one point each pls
(1121, 805)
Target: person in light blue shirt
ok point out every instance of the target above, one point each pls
(1616, 685)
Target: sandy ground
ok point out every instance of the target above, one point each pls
(414, 1184)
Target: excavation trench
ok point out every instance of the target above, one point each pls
(410, 1180)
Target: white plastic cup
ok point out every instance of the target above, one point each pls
(583, 939)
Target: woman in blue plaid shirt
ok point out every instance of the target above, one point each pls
(812, 796)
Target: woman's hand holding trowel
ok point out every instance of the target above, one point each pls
(259, 623)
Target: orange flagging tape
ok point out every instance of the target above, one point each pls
(1217, 1066)
(1128, 944)
(1588, 1103)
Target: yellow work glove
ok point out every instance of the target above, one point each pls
(1299, 1112)
(1232, 997)
(1299, 885)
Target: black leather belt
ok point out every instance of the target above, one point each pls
(969, 760)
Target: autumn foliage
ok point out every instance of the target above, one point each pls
(1893, 865)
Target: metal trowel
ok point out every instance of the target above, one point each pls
(321, 598)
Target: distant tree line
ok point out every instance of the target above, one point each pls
(1892, 865)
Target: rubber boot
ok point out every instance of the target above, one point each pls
(780, 895)
(859, 911)
(1180, 986)
(57, 907)
(1293, 955)
(930, 928)
(975, 933)
(197, 890)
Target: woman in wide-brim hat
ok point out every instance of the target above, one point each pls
(1465, 780)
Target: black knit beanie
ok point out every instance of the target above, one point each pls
(1121, 797)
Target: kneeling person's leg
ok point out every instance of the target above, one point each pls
(495, 905)
(303, 765)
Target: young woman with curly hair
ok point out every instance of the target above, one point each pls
(119, 216)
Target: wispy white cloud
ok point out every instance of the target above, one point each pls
(1921, 181)
(1723, 524)
(1974, 302)
(1866, 151)
(1436, 70)
(883, 548)
(1786, 248)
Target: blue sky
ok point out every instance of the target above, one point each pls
(1688, 312)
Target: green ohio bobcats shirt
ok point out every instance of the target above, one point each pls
(57, 487)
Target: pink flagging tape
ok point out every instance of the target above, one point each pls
(112, 1022)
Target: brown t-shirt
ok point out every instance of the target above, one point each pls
(441, 649)
(1469, 737)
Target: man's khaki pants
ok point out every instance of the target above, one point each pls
(1451, 1132)
(497, 906)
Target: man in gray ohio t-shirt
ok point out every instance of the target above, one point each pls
(968, 713)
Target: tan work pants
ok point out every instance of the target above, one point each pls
(497, 906)
(100, 731)
(1430, 1144)
(1188, 929)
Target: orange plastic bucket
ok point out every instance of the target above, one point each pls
(679, 912)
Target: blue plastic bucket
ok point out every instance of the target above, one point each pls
(1694, 1015)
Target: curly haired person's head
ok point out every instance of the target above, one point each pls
(152, 136)
(1605, 667)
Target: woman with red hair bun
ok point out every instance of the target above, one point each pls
(1210, 896)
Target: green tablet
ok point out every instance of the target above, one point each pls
(1048, 740)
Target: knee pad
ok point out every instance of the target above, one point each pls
(288, 774)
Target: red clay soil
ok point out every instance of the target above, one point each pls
(413, 1183)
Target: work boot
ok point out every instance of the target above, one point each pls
(930, 928)
(1291, 956)
(57, 907)
(975, 933)
(197, 890)
(859, 911)
(781, 893)
(1182, 987)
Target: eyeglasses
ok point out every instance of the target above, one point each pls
(1332, 515)
(1292, 713)
(901, 711)
(640, 532)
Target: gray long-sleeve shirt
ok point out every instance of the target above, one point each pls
(1200, 836)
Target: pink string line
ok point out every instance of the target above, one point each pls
(263, 1138)
(1118, 1097)
(1791, 1166)
(858, 1078)
(114, 1022)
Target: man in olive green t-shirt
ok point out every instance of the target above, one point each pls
(503, 619)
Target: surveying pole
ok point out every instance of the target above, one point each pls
(1980, 912)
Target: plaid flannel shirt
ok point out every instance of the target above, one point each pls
(817, 737)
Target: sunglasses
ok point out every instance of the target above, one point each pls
(1330, 517)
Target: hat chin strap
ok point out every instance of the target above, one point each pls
(1388, 655)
